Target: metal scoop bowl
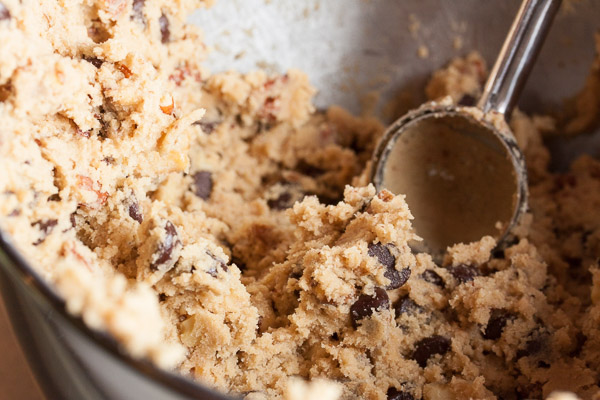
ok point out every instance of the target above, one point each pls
(460, 168)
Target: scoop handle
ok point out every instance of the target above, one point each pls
(517, 56)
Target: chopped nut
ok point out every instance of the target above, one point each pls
(167, 104)
(124, 70)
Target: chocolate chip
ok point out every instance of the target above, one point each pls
(397, 278)
(54, 197)
(219, 263)
(284, 201)
(498, 319)
(383, 254)
(165, 33)
(134, 212)
(427, 347)
(137, 11)
(335, 337)
(203, 184)
(405, 305)
(532, 347)
(431, 276)
(366, 305)
(463, 272)
(165, 249)
(162, 297)
(4, 13)
(45, 226)
(386, 258)
(467, 100)
(395, 394)
(95, 61)
(498, 253)
(207, 127)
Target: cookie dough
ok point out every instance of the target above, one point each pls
(220, 225)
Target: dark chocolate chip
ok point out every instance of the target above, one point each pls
(95, 61)
(207, 127)
(498, 253)
(532, 347)
(463, 272)
(165, 33)
(137, 11)
(498, 319)
(467, 100)
(203, 184)
(405, 305)
(386, 258)
(427, 347)
(239, 120)
(134, 212)
(284, 201)
(383, 254)
(366, 305)
(45, 226)
(162, 297)
(4, 13)
(431, 276)
(212, 271)
(335, 337)
(219, 264)
(397, 278)
(395, 394)
(54, 197)
(165, 249)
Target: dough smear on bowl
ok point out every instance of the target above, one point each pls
(219, 225)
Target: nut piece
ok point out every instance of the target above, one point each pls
(167, 104)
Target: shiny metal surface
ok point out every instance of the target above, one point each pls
(349, 48)
(507, 77)
(518, 55)
(505, 143)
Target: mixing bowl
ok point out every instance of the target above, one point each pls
(374, 55)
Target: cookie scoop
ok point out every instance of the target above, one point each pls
(460, 167)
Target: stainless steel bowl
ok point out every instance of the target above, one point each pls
(349, 49)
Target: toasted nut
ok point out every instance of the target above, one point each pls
(167, 104)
